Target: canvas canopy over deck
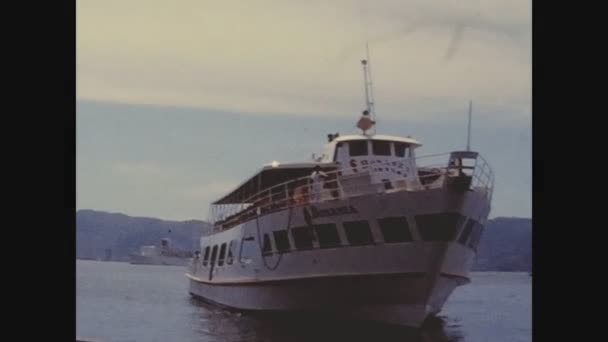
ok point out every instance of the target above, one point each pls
(264, 186)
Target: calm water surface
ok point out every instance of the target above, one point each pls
(122, 302)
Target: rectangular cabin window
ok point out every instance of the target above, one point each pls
(281, 239)
(358, 233)
(401, 149)
(357, 148)
(302, 237)
(328, 235)
(267, 247)
(231, 246)
(249, 248)
(395, 229)
(339, 151)
(213, 254)
(206, 257)
(381, 148)
(220, 260)
(466, 232)
(439, 227)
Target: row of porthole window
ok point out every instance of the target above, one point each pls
(432, 227)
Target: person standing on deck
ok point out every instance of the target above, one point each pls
(317, 177)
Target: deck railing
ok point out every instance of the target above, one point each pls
(345, 183)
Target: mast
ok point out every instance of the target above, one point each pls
(469, 128)
(371, 87)
(367, 101)
(369, 90)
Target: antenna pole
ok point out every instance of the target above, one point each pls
(371, 87)
(469, 129)
(367, 104)
(369, 91)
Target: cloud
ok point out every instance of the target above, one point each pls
(302, 58)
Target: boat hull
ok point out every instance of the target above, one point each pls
(398, 283)
(401, 299)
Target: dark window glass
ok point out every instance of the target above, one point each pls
(466, 232)
(381, 148)
(231, 247)
(328, 235)
(267, 247)
(395, 229)
(439, 227)
(281, 240)
(206, 257)
(358, 233)
(249, 248)
(220, 260)
(400, 149)
(213, 254)
(358, 148)
(302, 237)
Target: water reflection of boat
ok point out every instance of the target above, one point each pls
(222, 325)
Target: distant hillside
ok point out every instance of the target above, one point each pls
(506, 244)
(97, 231)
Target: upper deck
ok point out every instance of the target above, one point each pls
(280, 186)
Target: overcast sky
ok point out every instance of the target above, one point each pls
(180, 100)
